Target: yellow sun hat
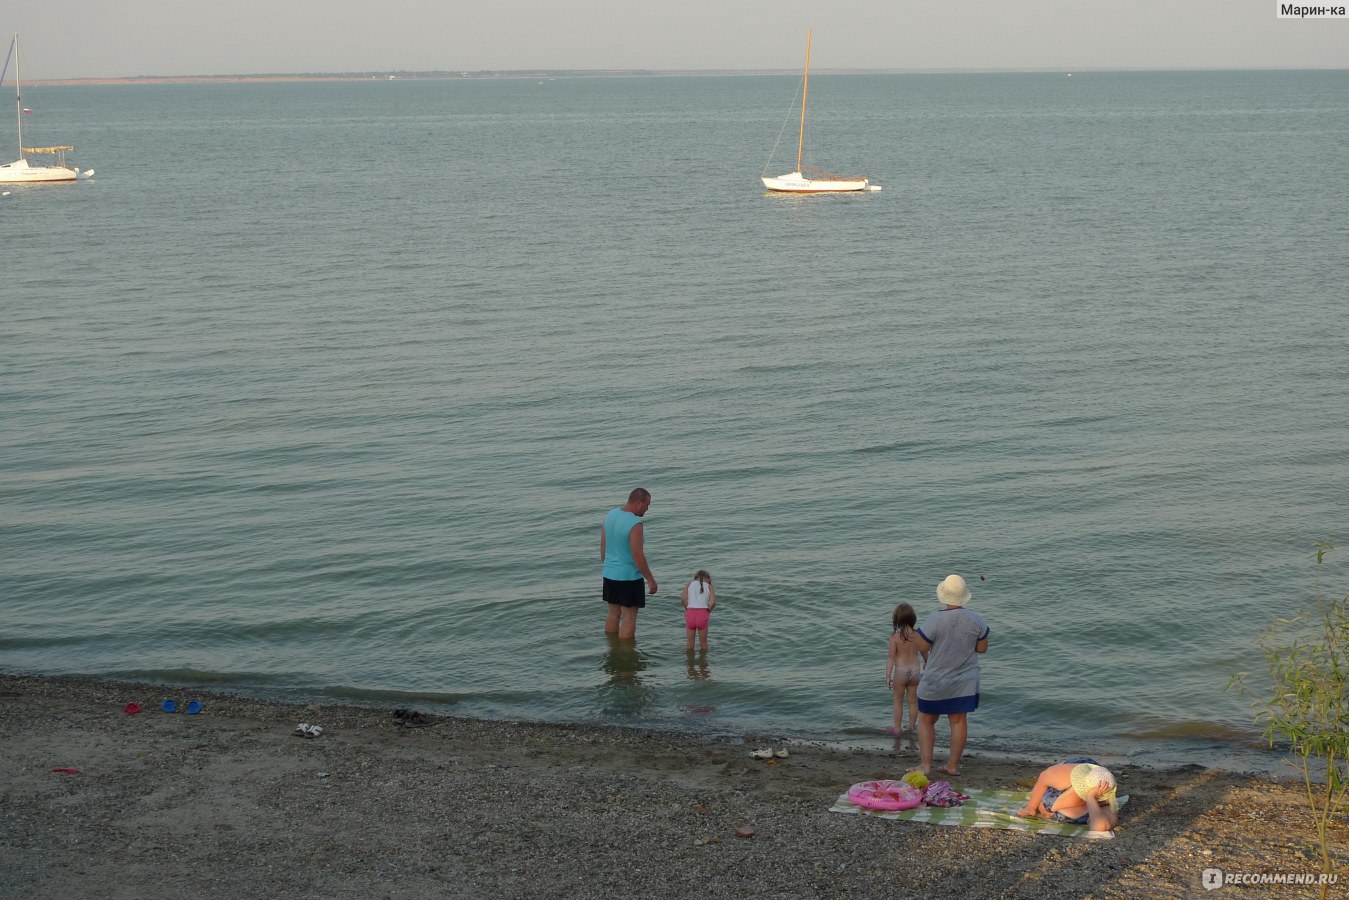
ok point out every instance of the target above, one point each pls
(1087, 780)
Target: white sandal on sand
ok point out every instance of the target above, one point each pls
(314, 731)
(301, 730)
(761, 754)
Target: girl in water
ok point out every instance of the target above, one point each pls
(902, 669)
(698, 599)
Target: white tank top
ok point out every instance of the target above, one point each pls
(699, 594)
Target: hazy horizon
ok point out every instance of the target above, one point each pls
(247, 37)
(447, 74)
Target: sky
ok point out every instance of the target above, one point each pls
(101, 39)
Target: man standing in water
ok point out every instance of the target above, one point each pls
(625, 564)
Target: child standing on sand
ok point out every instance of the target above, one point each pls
(902, 670)
(699, 599)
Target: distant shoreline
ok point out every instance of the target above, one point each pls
(586, 73)
(407, 76)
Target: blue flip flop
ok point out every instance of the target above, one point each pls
(194, 707)
(169, 706)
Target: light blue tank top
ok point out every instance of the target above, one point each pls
(618, 562)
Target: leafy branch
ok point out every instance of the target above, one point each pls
(1307, 657)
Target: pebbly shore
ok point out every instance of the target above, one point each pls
(233, 803)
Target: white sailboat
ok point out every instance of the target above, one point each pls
(21, 171)
(818, 181)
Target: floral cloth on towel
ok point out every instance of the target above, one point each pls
(940, 793)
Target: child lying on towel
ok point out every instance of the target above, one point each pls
(1078, 792)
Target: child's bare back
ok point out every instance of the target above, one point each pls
(904, 647)
(905, 665)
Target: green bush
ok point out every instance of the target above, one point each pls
(1307, 707)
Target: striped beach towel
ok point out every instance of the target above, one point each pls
(984, 809)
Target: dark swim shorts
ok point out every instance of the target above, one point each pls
(1051, 797)
(631, 594)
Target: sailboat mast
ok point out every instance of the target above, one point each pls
(18, 98)
(805, 89)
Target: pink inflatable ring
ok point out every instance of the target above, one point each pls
(887, 795)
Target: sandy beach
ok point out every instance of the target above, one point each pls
(231, 803)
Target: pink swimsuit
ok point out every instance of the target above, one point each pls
(907, 675)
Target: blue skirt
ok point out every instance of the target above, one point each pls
(950, 705)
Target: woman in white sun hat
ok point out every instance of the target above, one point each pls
(954, 637)
(1077, 791)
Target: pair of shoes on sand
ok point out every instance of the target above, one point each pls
(305, 730)
(769, 754)
(412, 719)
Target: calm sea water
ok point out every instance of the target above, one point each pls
(321, 391)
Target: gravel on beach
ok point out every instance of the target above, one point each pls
(232, 802)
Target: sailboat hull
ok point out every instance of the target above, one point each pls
(20, 172)
(796, 183)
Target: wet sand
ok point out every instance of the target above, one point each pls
(231, 803)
